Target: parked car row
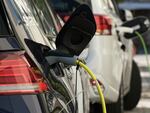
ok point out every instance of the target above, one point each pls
(34, 79)
(141, 8)
(109, 55)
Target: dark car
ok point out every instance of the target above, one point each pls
(28, 84)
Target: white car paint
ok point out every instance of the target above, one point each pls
(106, 58)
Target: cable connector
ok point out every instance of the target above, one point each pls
(123, 29)
(55, 56)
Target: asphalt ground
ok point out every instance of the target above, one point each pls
(144, 103)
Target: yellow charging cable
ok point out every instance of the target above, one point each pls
(102, 100)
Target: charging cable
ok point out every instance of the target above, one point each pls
(102, 100)
(57, 56)
(71, 100)
(145, 48)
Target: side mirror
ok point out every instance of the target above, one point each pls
(139, 24)
(77, 31)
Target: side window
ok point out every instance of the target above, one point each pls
(58, 24)
(7, 39)
(36, 12)
(5, 28)
(45, 17)
(116, 7)
(110, 4)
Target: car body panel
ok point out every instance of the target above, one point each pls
(102, 61)
(20, 104)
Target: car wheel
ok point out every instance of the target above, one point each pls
(111, 108)
(95, 108)
(116, 107)
(131, 99)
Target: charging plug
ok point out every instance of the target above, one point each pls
(55, 56)
(123, 29)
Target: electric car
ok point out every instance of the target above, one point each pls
(109, 55)
(23, 88)
(28, 84)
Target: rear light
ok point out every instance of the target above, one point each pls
(93, 83)
(18, 77)
(65, 18)
(103, 25)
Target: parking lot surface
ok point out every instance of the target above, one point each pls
(144, 104)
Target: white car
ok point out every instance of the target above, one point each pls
(109, 55)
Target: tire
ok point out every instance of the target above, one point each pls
(132, 98)
(111, 108)
(115, 107)
(95, 108)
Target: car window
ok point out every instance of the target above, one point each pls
(36, 10)
(55, 15)
(111, 5)
(7, 39)
(45, 16)
(114, 2)
(5, 29)
(8, 43)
